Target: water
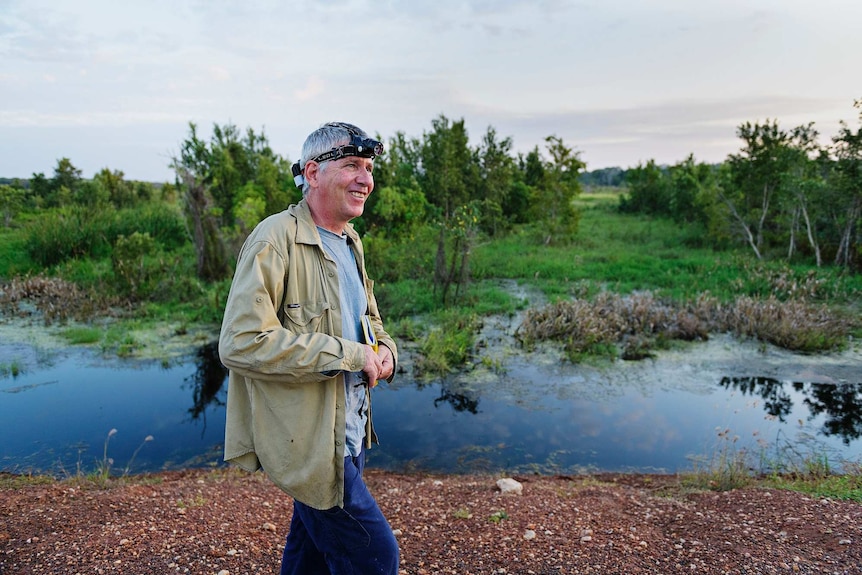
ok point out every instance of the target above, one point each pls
(518, 413)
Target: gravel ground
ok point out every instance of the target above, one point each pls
(227, 522)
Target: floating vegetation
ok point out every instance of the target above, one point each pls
(54, 298)
(631, 326)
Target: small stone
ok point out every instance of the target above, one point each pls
(397, 532)
(224, 572)
(509, 485)
(844, 542)
(529, 534)
(268, 527)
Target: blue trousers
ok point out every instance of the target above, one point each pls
(353, 540)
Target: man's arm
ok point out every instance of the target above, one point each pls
(253, 341)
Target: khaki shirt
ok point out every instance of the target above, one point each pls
(280, 334)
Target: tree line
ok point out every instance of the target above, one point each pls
(781, 195)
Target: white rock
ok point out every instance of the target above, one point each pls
(509, 485)
(529, 534)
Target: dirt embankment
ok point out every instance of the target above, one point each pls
(228, 522)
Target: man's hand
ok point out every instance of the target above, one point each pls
(388, 362)
(378, 365)
(374, 365)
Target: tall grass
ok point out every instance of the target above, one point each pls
(83, 232)
(784, 464)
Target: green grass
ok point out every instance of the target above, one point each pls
(14, 260)
(82, 335)
(623, 253)
(847, 486)
(13, 368)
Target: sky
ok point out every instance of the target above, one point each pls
(114, 84)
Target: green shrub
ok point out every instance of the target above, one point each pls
(85, 232)
(135, 275)
(163, 223)
(68, 233)
(449, 344)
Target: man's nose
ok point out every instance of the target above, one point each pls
(365, 178)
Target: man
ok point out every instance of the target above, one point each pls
(301, 367)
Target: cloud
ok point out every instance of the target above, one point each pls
(19, 119)
(666, 132)
(219, 73)
(619, 80)
(313, 88)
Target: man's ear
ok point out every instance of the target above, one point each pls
(312, 171)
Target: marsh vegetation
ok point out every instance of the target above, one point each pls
(764, 245)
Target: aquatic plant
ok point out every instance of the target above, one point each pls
(635, 324)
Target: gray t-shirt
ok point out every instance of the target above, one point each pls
(354, 304)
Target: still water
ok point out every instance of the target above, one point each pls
(519, 414)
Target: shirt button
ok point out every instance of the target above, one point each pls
(338, 442)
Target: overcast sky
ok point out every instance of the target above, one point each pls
(115, 83)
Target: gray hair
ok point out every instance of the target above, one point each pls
(329, 135)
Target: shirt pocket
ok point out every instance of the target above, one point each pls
(305, 317)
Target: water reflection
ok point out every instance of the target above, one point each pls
(206, 381)
(528, 417)
(840, 404)
(460, 401)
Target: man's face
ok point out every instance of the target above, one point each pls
(343, 186)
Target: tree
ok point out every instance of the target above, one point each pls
(117, 190)
(448, 178)
(193, 174)
(755, 178)
(229, 185)
(803, 185)
(58, 190)
(496, 180)
(448, 173)
(846, 179)
(12, 201)
(398, 204)
(557, 184)
(688, 182)
(649, 190)
(40, 188)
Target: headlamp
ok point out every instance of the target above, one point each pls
(362, 147)
(358, 146)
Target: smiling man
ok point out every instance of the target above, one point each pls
(302, 366)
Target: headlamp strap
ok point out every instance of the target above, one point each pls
(363, 147)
